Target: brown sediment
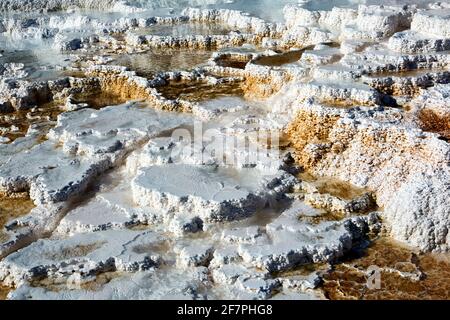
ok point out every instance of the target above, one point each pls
(200, 91)
(326, 216)
(139, 227)
(100, 281)
(4, 292)
(397, 89)
(309, 127)
(74, 74)
(425, 276)
(304, 270)
(275, 139)
(333, 186)
(13, 208)
(42, 115)
(432, 122)
(264, 86)
(76, 251)
(121, 86)
(339, 103)
(95, 284)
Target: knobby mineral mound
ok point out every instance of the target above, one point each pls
(211, 150)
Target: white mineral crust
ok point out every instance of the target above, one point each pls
(125, 209)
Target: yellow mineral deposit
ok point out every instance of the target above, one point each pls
(104, 151)
(13, 208)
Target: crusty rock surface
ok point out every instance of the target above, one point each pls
(275, 151)
(56, 5)
(387, 156)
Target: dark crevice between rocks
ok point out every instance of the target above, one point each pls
(389, 101)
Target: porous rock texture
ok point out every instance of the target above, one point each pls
(155, 173)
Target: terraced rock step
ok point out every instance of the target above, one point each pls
(224, 149)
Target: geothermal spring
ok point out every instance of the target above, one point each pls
(208, 149)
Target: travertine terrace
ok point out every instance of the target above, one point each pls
(223, 149)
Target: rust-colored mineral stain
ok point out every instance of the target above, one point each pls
(42, 116)
(76, 251)
(12, 208)
(308, 128)
(433, 122)
(4, 292)
(340, 103)
(349, 280)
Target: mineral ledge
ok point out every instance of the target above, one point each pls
(98, 200)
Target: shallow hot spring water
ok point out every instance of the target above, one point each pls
(12, 208)
(151, 62)
(346, 280)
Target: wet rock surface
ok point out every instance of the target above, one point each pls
(224, 149)
(403, 273)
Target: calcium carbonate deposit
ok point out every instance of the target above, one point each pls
(215, 149)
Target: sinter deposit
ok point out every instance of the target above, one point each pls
(224, 149)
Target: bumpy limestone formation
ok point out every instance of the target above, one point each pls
(87, 255)
(408, 85)
(431, 109)
(411, 160)
(78, 151)
(365, 23)
(177, 285)
(226, 198)
(429, 32)
(250, 175)
(293, 242)
(432, 21)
